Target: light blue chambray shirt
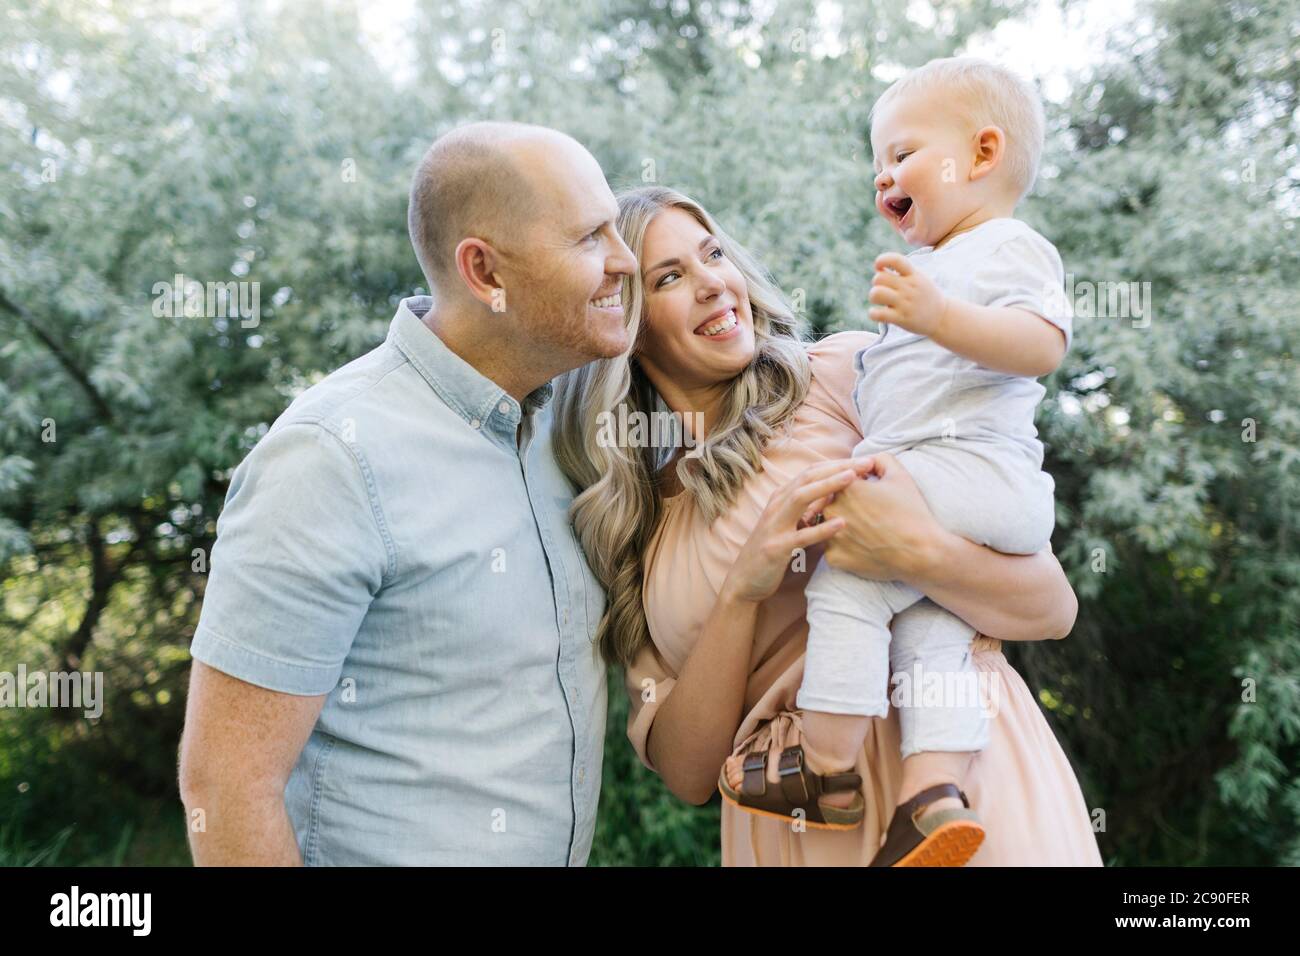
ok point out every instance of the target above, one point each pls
(390, 543)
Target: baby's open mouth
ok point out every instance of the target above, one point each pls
(899, 207)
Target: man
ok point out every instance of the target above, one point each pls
(394, 663)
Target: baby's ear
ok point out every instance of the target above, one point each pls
(990, 144)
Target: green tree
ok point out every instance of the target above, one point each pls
(240, 145)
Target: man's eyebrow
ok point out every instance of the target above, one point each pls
(595, 224)
(675, 262)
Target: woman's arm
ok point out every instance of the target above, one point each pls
(694, 728)
(891, 535)
(692, 732)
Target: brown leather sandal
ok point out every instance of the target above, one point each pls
(800, 790)
(942, 838)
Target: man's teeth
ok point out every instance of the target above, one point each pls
(609, 301)
(725, 324)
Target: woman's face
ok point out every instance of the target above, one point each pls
(698, 329)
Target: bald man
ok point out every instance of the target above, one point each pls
(395, 664)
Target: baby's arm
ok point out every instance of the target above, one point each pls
(1003, 338)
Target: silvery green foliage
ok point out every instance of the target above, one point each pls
(236, 144)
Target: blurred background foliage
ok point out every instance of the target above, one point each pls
(273, 143)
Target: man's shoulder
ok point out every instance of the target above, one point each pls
(363, 390)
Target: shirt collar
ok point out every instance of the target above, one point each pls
(476, 398)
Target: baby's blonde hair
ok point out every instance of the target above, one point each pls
(992, 95)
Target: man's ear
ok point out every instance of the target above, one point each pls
(990, 144)
(477, 263)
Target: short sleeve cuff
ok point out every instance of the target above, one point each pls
(255, 668)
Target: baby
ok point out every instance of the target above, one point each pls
(970, 319)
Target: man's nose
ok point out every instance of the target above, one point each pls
(623, 262)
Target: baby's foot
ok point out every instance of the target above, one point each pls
(943, 803)
(734, 774)
(732, 771)
(944, 832)
(841, 799)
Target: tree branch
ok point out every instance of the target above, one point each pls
(71, 367)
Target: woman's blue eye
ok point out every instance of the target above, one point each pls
(718, 250)
(663, 278)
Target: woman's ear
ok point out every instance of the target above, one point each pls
(990, 145)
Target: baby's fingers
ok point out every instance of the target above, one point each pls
(895, 262)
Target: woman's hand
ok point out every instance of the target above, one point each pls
(890, 533)
(765, 558)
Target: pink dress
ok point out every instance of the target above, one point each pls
(1022, 785)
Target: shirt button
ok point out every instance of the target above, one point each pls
(475, 423)
(504, 408)
(566, 617)
(582, 775)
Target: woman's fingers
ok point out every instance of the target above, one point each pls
(815, 509)
(824, 488)
(819, 471)
(807, 537)
(817, 486)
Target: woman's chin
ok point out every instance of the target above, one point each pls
(734, 358)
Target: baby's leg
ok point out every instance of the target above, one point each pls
(936, 689)
(846, 667)
(994, 497)
(942, 720)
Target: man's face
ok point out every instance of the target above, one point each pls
(564, 274)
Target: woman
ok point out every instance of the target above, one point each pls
(705, 606)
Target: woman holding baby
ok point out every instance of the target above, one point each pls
(718, 563)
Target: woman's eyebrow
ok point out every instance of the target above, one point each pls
(676, 262)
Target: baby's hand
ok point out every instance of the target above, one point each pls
(902, 296)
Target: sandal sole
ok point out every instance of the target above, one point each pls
(951, 844)
(727, 792)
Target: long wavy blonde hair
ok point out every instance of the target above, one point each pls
(620, 503)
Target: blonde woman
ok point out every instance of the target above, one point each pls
(694, 545)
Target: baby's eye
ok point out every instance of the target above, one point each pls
(899, 157)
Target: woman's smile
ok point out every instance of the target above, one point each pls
(722, 324)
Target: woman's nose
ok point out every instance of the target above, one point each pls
(709, 286)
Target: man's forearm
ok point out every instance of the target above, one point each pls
(1011, 597)
(240, 829)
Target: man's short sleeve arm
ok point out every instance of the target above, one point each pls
(299, 556)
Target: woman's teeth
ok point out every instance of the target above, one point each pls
(609, 301)
(724, 324)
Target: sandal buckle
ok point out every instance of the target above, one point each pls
(791, 763)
